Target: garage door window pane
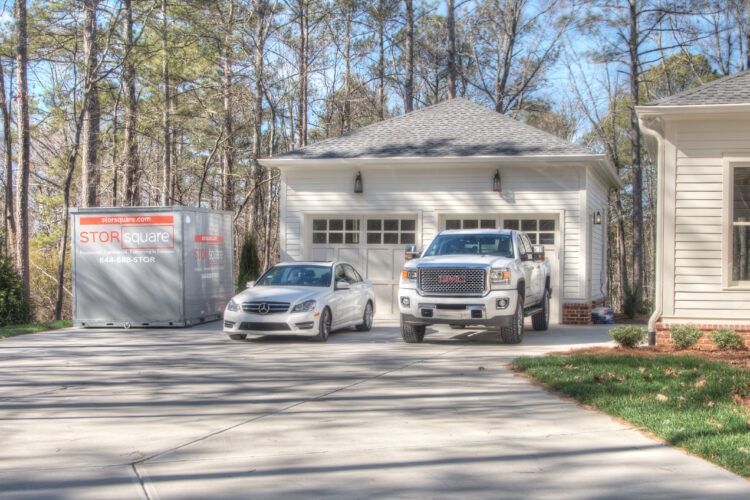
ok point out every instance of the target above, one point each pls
(390, 238)
(320, 225)
(407, 238)
(546, 225)
(408, 224)
(352, 224)
(373, 238)
(487, 224)
(532, 238)
(335, 238)
(335, 225)
(374, 225)
(352, 238)
(510, 224)
(390, 225)
(452, 224)
(471, 224)
(546, 238)
(528, 225)
(319, 237)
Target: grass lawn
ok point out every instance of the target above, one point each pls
(13, 330)
(699, 405)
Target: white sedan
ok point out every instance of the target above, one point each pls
(302, 298)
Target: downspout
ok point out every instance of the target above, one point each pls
(654, 127)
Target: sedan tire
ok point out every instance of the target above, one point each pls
(366, 324)
(324, 328)
(238, 336)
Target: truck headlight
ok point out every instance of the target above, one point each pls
(305, 306)
(233, 306)
(409, 275)
(500, 276)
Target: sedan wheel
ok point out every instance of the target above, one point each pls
(366, 319)
(325, 326)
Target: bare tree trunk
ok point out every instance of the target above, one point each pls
(302, 67)
(451, 6)
(24, 146)
(505, 46)
(166, 182)
(89, 160)
(633, 45)
(227, 193)
(132, 193)
(381, 65)
(346, 121)
(261, 9)
(115, 167)
(9, 219)
(747, 34)
(409, 87)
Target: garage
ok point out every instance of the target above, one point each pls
(362, 197)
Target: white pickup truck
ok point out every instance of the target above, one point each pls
(482, 278)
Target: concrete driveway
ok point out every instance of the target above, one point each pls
(189, 414)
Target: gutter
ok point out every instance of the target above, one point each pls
(653, 127)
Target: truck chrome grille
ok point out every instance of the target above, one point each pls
(265, 307)
(452, 280)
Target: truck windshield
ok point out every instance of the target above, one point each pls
(471, 244)
(296, 275)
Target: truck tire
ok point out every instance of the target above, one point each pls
(237, 336)
(514, 333)
(540, 320)
(412, 334)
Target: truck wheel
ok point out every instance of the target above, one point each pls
(540, 320)
(237, 336)
(366, 319)
(412, 334)
(512, 334)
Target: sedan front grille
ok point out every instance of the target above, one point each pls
(265, 327)
(261, 307)
(468, 281)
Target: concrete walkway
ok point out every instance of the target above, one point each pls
(189, 414)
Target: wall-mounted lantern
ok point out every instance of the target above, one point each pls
(597, 218)
(358, 183)
(496, 184)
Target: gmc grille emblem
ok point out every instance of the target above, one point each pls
(446, 278)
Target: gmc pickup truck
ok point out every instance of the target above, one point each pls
(482, 278)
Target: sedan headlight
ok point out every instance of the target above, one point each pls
(500, 276)
(233, 306)
(305, 306)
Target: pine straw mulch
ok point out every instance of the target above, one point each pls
(739, 359)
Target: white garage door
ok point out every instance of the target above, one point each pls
(542, 230)
(374, 244)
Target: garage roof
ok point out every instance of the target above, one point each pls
(452, 128)
(732, 89)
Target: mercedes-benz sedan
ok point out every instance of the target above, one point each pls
(311, 299)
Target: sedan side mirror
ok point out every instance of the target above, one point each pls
(343, 285)
(538, 252)
(249, 284)
(411, 252)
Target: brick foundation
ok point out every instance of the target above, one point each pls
(580, 313)
(664, 337)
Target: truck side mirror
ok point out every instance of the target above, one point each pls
(411, 252)
(538, 251)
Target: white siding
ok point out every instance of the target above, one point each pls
(694, 289)
(596, 195)
(431, 192)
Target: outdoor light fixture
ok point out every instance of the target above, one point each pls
(496, 186)
(597, 218)
(358, 183)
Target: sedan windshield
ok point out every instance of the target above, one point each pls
(471, 244)
(296, 275)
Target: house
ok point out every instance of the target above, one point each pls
(701, 140)
(363, 196)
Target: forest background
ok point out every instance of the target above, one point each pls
(165, 102)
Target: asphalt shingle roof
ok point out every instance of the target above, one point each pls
(732, 89)
(453, 128)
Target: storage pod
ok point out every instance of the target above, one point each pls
(151, 266)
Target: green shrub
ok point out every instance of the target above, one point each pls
(628, 336)
(727, 339)
(685, 336)
(15, 308)
(249, 264)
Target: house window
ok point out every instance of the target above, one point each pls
(391, 231)
(470, 223)
(336, 231)
(740, 216)
(539, 231)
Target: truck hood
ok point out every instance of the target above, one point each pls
(280, 293)
(462, 260)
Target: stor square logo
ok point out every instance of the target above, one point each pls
(148, 237)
